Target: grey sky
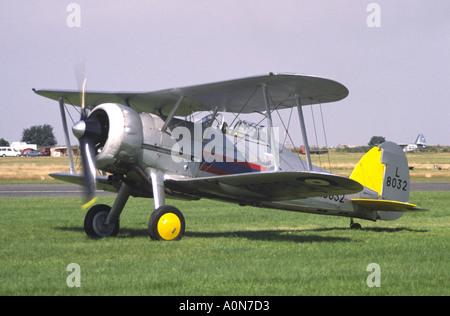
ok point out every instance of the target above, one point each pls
(398, 74)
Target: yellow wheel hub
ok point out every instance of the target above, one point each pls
(169, 226)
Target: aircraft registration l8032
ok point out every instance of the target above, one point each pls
(144, 146)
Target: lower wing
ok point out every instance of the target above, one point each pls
(266, 186)
(103, 182)
(261, 186)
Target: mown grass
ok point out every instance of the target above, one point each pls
(227, 250)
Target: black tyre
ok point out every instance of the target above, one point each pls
(95, 222)
(355, 226)
(166, 223)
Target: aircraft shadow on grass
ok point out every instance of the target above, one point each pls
(292, 235)
(281, 235)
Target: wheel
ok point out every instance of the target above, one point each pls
(355, 226)
(94, 222)
(166, 223)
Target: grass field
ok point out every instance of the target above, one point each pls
(18, 170)
(227, 250)
(423, 164)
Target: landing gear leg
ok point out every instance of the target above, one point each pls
(166, 222)
(158, 187)
(119, 203)
(354, 225)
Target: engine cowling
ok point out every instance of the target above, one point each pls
(118, 146)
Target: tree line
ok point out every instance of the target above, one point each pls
(41, 135)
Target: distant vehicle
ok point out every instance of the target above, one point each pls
(418, 144)
(46, 151)
(9, 152)
(21, 146)
(32, 153)
(313, 152)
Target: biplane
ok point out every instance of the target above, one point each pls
(143, 145)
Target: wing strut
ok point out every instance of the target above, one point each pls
(273, 143)
(302, 126)
(172, 114)
(213, 116)
(66, 134)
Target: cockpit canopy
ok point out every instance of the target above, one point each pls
(252, 130)
(241, 129)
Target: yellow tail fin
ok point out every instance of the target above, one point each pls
(369, 171)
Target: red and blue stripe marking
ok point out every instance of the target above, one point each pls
(224, 168)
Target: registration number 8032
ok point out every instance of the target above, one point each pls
(396, 183)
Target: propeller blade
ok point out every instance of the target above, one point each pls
(83, 100)
(87, 130)
(80, 77)
(87, 156)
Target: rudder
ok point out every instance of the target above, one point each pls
(420, 140)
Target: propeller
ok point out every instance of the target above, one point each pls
(87, 130)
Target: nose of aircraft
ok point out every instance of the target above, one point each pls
(89, 127)
(79, 129)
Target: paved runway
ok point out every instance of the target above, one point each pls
(430, 186)
(44, 190)
(72, 190)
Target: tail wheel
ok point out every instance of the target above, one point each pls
(354, 225)
(95, 222)
(166, 223)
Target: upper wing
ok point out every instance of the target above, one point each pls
(240, 95)
(266, 186)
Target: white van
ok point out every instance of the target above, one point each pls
(9, 152)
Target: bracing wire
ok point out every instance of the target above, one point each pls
(244, 106)
(315, 132)
(286, 129)
(77, 162)
(70, 115)
(325, 136)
